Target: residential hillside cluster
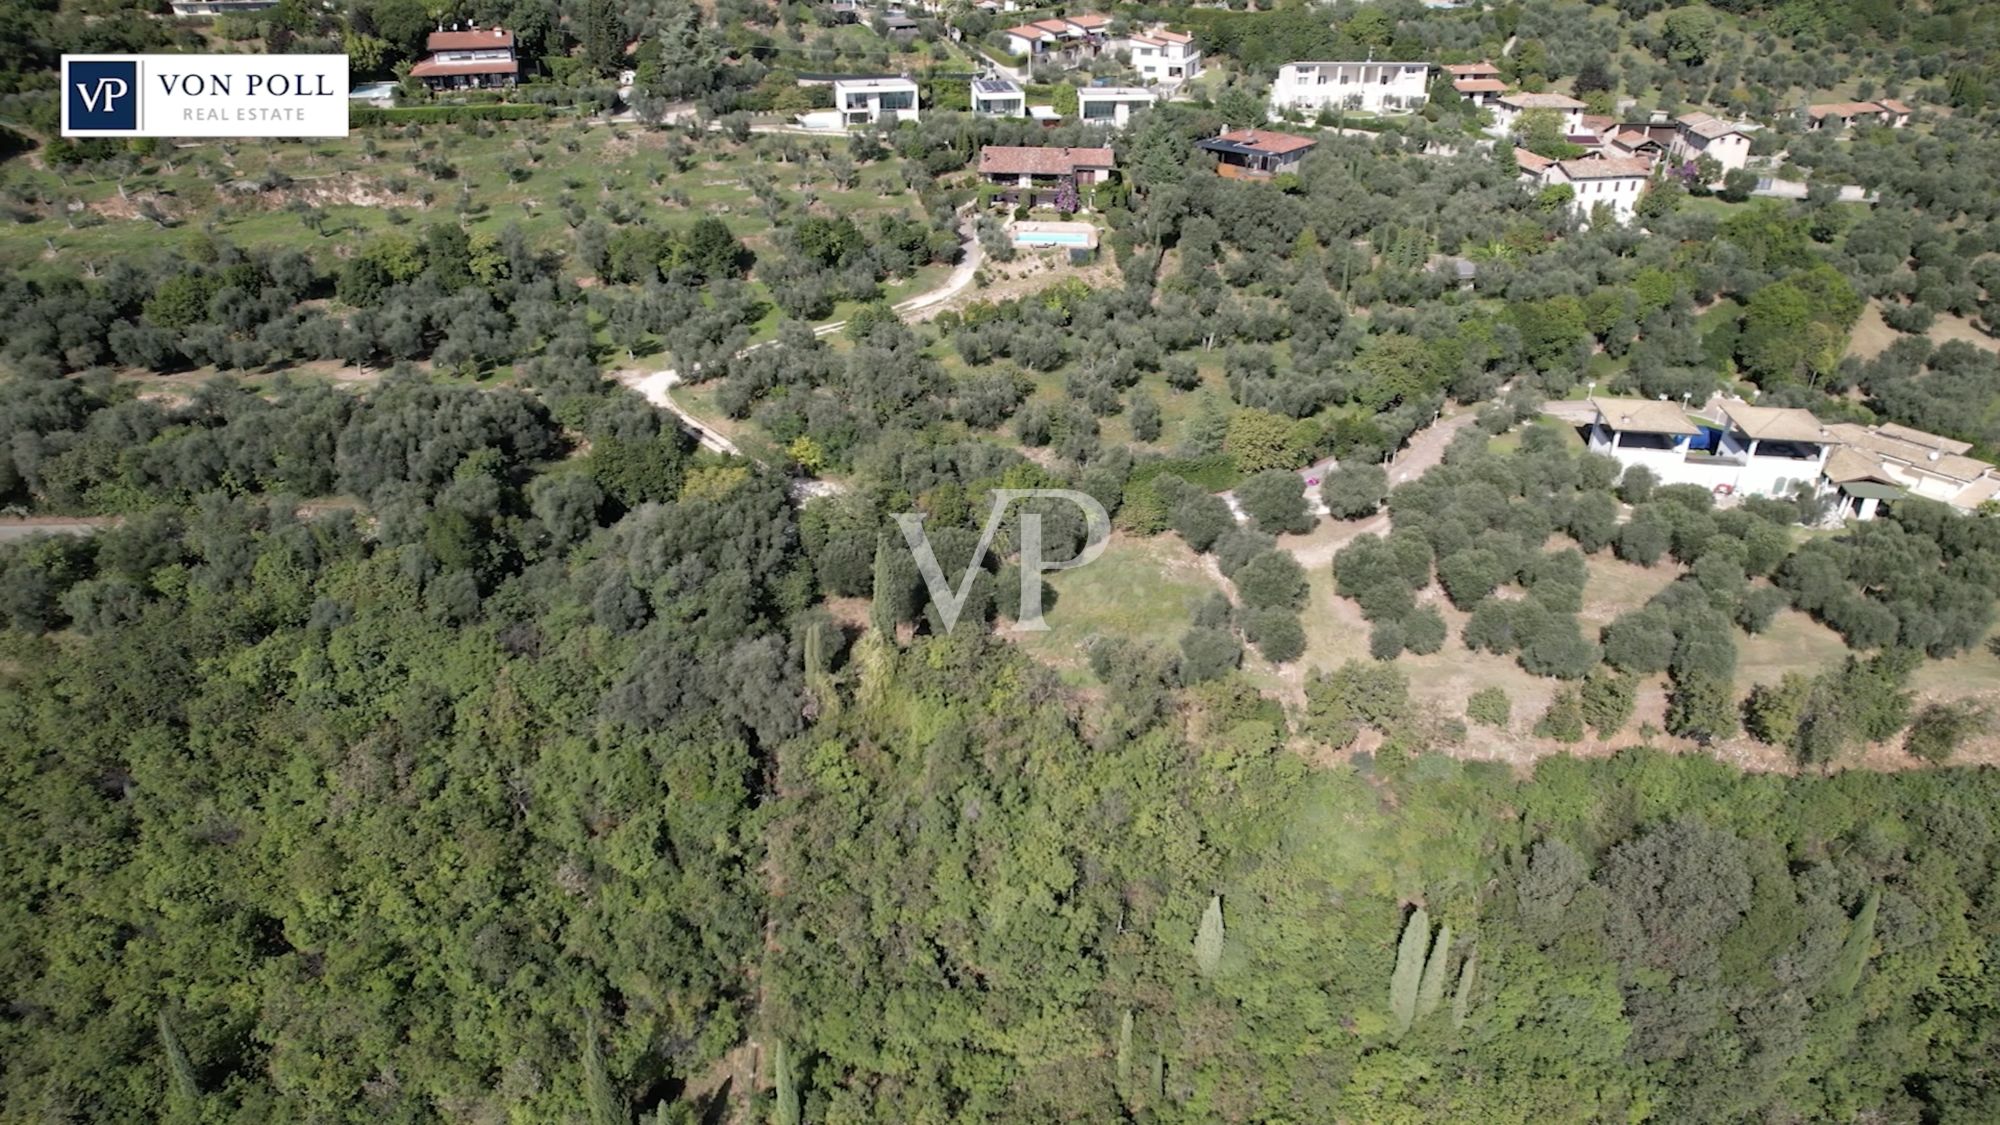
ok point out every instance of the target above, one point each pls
(1607, 169)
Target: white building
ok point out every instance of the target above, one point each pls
(1735, 449)
(1909, 462)
(1616, 182)
(1743, 450)
(1111, 105)
(1160, 56)
(1508, 108)
(1372, 87)
(1700, 134)
(865, 101)
(998, 97)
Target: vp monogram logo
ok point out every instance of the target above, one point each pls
(949, 601)
(101, 95)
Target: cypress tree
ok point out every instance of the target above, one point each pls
(1854, 951)
(597, 1091)
(184, 1090)
(884, 604)
(1125, 1050)
(1409, 974)
(1431, 994)
(786, 1111)
(1461, 1001)
(1208, 940)
(819, 681)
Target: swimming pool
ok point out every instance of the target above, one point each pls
(372, 91)
(1052, 238)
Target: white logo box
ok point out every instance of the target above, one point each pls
(205, 96)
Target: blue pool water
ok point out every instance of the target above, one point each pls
(371, 91)
(1052, 238)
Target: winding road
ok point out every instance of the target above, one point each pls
(657, 386)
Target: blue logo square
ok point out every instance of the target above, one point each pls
(102, 95)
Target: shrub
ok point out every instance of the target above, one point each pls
(1424, 631)
(1340, 702)
(1640, 642)
(1276, 500)
(1608, 699)
(1636, 485)
(1353, 491)
(360, 116)
(1563, 721)
(1700, 708)
(1469, 576)
(1385, 640)
(1276, 633)
(1941, 728)
(1272, 579)
(1489, 707)
(1208, 653)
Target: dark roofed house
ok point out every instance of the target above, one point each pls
(476, 57)
(1256, 154)
(1044, 175)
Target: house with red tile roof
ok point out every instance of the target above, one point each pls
(1841, 115)
(1614, 182)
(476, 57)
(1160, 55)
(1044, 175)
(1062, 41)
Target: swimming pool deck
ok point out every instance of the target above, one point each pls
(1044, 234)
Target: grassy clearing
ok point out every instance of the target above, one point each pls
(1143, 590)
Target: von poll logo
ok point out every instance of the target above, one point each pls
(102, 96)
(204, 96)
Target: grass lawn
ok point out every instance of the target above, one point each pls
(1511, 440)
(1142, 590)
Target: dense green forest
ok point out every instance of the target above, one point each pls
(311, 824)
(548, 784)
(458, 741)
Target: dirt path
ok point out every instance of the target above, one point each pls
(657, 386)
(1425, 451)
(26, 527)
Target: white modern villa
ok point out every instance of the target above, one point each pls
(1733, 448)
(865, 101)
(1111, 105)
(1371, 87)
